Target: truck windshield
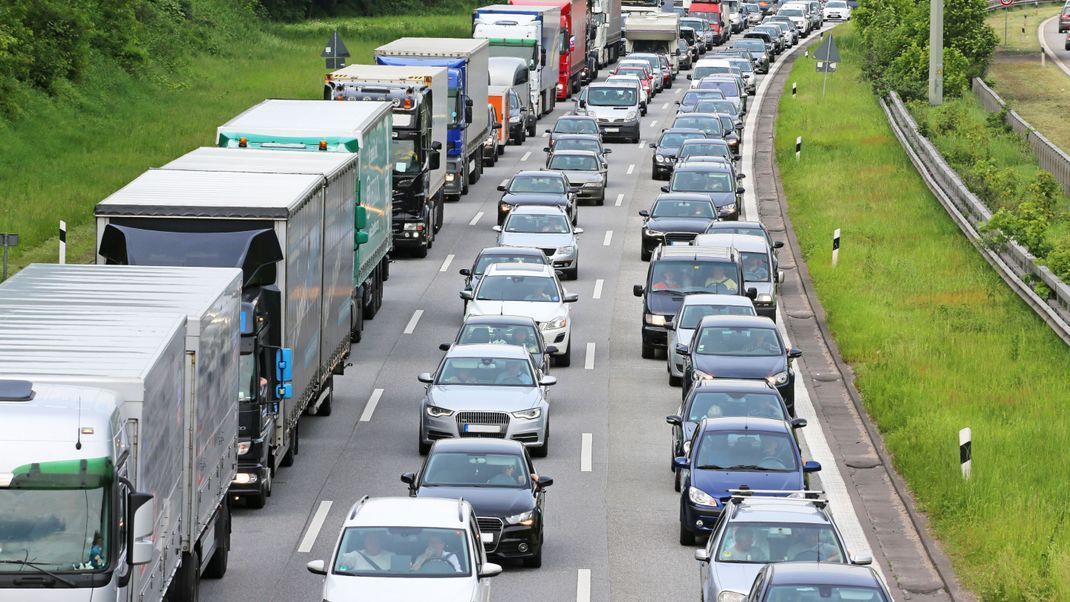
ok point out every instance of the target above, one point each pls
(246, 377)
(405, 158)
(55, 516)
(650, 45)
(455, 107)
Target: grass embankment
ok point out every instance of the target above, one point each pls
(65, 154)
(936, 339)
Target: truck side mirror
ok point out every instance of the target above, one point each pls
(284, 373)
(468, 110)
(139, 519)
(360, 218)
(434, 159)
(436, 145)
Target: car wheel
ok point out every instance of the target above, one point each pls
(423, 447)
(678, 480)
(534, 562)
(544, 449)
(648, 351)
(675, 381)
(565, 359)
(645, 254)
(687, 538)
(531, 130)
(573, 274)
(601, 199)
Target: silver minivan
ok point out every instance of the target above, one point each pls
(512, 72)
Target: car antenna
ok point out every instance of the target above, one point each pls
(78, 440)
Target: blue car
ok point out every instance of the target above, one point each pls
(760, 454)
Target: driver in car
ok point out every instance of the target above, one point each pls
(436, 554)
(719, 281)
(756, 269)
(773, 449)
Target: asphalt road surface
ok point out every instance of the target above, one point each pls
(1055, 41)
(612, 514)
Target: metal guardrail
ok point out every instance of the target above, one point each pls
(1012, 261)
(1050, 156)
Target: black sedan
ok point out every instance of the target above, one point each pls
(800, 581)
(675, 217)
(497, 477)
(667, 147)
(716, 180)
(537, 188)
(747, 347)
(522, 331)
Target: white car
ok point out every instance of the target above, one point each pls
(684, 323)
(633, 80)
(544, 227)
(837, 10)
(527, 290)
(403, 548)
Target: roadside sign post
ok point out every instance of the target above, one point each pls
(335, 52)
(836, 247)
(827, 56)
(7, 240)
(62, 242)
(1006, 17)
(966, 452)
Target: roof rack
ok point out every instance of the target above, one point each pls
(803, 496)
(356, 507)
(460, 510)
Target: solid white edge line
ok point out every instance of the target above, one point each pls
(631, 168)
(598, 288)
(413, 321)
(588, 359)
(475, 219)
(446, 263)
(314, 527)
(369, 408)
(608, 239)
(586, 443)
(525, 157)
(620, 199)
(583, 585)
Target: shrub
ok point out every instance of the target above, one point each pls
(1058, 260)
(1027, 225)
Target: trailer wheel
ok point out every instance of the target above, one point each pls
(357, 332)
(375, 294)
(186, 584)
(217, 566)
(326, 407)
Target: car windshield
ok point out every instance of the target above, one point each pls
(744, 65)
(574, 163)
(756, 267)
(611, 97)
(575, 126)
(485, 260)
(791, 12)
(745, 341)
(724, 228)
(497, 371)
(674, 208)
(703, 70)
(705, 150)
(727, 122)
(695, 96)
(519, 288)
(826, 593)
(763, 451)
(836, 4)
(714, 106)
(736, 405)
(404, 156)
(695, 24)
(780, 542)
(750, 45)
(675, 139)
(693, 276)
(730, 89)
(533, 183)
(523, 335)
(632, 71)
(710, 125)
(584, 144)
(452, 469)
(701, 181)
(693, 314)
(402, 552)
(542, 223)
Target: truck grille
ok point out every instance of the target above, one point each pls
(492, 526)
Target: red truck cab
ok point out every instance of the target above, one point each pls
(711, 11)
(573, 43)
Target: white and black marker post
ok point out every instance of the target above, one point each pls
(798, 147)
(62, 242)
(794, 89)
(835, 247)
(966, 452)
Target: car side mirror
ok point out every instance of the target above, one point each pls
(779, 244)
(637, 290)
(644, 213)
(409, 478)
(548, 131)
(467, 295)
(497, 228)
(548, 381)
(794, 353)
(425, 377)
(578, 231)
(741, 176)
(605, 165)
(681, 462)
(502, 188)
(607, 151)
(861, 559)
(546, 149)
(464, 272)
(811, 466)
(490, 570)
(652, 145)
(664, 189)
(673, 420)
(316, 567)
(798, 423)
(571, 297)
(550, 350)
(682, 350)
(740, 190)
(752, 293)
(780, 276)
(543, 482)
(702, 555)
(140, 522)
(688, 77)
(444, 346)
(670, 321)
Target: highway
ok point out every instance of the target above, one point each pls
(612, 514)
(1055, 42)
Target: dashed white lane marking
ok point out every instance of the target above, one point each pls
(446, 263)
(653, 123)
(314, 527)
(631, 168)
(586, 442)
(504, 182)
(608, 239)
(545, 134)
(620, 199)
(664, 106)
(583, 585)
(526, 156)
(678, 90)
(588, 360)
(415, 319)
(642, 144)
(475, 219)
(373, 402)
(598, 288)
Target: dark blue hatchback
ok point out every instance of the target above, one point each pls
(736, 453)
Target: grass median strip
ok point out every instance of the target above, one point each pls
(937, 341)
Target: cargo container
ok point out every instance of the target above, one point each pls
(531, 33)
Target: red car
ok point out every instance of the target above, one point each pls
(646, 79)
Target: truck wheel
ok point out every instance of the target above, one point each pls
(384, 268)
(440, 214)
(464, 185)
(358, 323)
(295, 441)
(326, 407)
(186, 584)
(372, 306)
(217, 566)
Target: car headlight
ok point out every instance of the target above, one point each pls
(654, 319)
(437, 412)
(631, 115)
(489, 141)
(514, 119)
(732, 142)
(700, 497)
(659, 158)
(530, 414)
(727, 596)
(652, 233)
(779, 378)
(244, 447)
(554, 324)
(700, 375)
(524, 518)
(566, 250)
(764, 298)
(450, 176)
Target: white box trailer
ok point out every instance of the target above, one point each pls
(273, 226)
(532, 33)
(654, 32)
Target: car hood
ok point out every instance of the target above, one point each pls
(678, 224)
(609, 112)
(534, 198)
(663, 303)
(538, 311)
(532, 239)
(763, 288)
(731, 366)
(486, 397)
(582, 177)
(487, 501)
(717, 482)
(399, 589)
(735, 576)
(721, 198)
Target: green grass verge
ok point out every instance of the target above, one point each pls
(66, 154)
(937, 341)
(1040, 94)
(1008, 26)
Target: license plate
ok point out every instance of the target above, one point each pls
(613, 130)
(486, 537)
(482, 428)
